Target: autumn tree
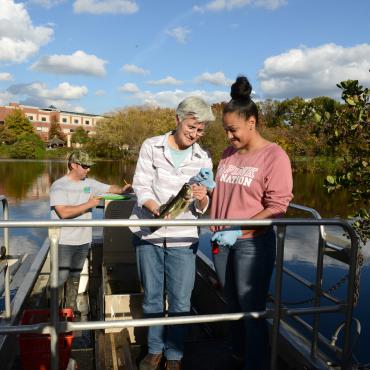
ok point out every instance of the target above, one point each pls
(15, 124)
(55, 129)
(130, 127)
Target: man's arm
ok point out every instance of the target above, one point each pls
(75, 211)
(116, 189)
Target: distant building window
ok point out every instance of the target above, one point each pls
(87, 122)
(43, 119)
(76, 121)
(64, 120)
(30, 118)
(71, 130)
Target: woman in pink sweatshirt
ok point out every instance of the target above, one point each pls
(254, 181)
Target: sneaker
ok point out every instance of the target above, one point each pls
(173, 365)
(150, 361)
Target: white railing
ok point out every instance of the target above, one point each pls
(4, 254)
(276, 313)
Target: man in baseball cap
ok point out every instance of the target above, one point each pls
(73, 196)
(80, 157)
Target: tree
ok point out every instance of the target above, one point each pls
(55, 129)
(27, 146)
(129, 127)
(291, 112)
(80, 136)
(268, 110)
(347, 130)
(16, 124)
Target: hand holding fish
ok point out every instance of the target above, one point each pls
(152, 206)
(199, 191)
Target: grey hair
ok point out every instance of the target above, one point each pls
(196, 107)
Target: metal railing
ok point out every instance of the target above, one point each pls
(4, 254)
(276, 313)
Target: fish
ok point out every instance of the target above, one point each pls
(176, 205)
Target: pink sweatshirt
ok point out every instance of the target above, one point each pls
(248, 183)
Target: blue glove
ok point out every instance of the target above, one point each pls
(227, 237)
(204, 177)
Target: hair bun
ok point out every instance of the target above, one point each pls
(241, 89)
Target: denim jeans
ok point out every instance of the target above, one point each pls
(71, 260)
(170, 271)
(244, 271)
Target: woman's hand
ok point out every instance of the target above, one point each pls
(227, 237)
(152, 206)
(199, 191)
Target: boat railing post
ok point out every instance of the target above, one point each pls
(317, 301)
(278, 289)
(8, 313)
(54, 234)
(347, 350)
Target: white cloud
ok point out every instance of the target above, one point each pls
(48, 4)
(220, 5)
(132, 68)
(38, 94)
(19, 38)
(6, 97)
(217, 78)
(310, 72)
(4, 76)
(105, 6)
(100, 93)
(171, 98)
(179, 33)
(129, 88)
(77, 63)
(169, 80)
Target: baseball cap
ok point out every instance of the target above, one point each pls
(80, 157)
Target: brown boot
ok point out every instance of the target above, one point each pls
(173, 365)
(150, 361)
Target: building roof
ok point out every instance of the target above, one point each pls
(55, 141)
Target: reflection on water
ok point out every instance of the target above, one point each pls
(26, 185)
(30, 180)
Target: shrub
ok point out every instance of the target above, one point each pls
(27, 147)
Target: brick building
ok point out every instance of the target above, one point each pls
(41, 118)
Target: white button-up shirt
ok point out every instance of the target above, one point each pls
(157, 178)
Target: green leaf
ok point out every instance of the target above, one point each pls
(317, 117)
(330, 179)
(350, 101)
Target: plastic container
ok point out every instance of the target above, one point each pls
(35, 348)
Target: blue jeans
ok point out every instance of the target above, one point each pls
(244, 271)
(71, 260)
(170, 271)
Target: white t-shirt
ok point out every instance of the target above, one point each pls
(65, 192)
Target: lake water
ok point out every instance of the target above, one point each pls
(26, 185)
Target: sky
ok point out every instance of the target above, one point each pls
(99, 56)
